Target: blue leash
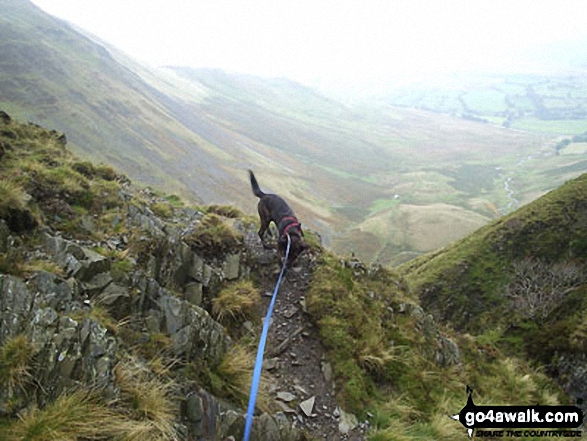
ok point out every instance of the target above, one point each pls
(261, 350)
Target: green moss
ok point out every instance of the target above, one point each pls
(174, 200)
(120, 268)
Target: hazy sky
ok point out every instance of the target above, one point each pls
(322, 39)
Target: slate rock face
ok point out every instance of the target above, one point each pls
(66, 352)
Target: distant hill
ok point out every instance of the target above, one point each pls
(387, 183)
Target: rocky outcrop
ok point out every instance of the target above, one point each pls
(210, 418)
(66, 351)
(439, 347)
(571, 371)
(102, 272)
(166, 289)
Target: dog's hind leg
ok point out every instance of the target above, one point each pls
(264, 228)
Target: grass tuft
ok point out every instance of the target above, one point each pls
(13, 206)
(237, 301)
(149, 398)
(162, 209)
(99, 314)
(231, 378)
(16, 356)
(213, 236)
(80, 415)
(12, 197)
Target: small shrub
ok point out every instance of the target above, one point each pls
(536, 287)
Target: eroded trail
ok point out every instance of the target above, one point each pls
(295, 361)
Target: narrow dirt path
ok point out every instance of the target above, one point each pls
(295, 358)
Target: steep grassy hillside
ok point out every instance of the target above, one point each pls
(519, 283)
(50, 73)
(463, 282)
(128, 315)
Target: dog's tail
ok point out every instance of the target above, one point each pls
(256, 189)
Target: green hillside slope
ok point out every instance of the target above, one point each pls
(50, 73)
(520, 283)
(462, 282)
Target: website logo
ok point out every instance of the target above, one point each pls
(510, 418)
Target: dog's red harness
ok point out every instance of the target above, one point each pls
(295, 223)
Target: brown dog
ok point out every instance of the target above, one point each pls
(273, 208)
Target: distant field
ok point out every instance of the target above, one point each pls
(577, 148)
(433, 225)
(485, 102)
(552, 105)
(556, 127)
